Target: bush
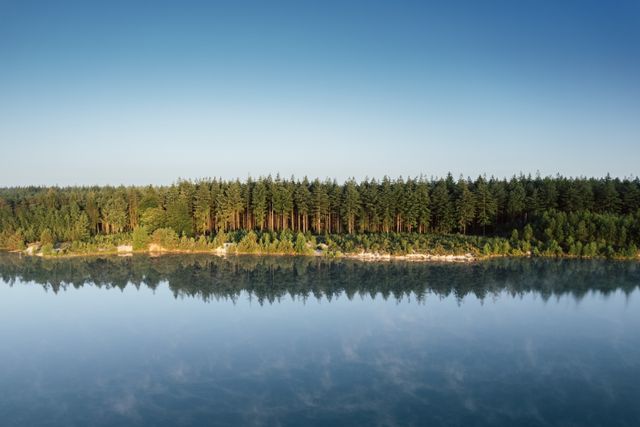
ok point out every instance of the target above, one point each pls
(220, 239)
(285, 247)
(248, 244)
(301, 245)
(165, 237)
(140, 238)
(486, 250)
(46, 238)
(15, 242)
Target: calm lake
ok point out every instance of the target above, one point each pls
(199, 340)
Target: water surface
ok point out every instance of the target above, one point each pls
(198, 340)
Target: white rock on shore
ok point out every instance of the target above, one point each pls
(125, 249)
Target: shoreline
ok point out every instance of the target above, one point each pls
(225, 252)
(360, 256)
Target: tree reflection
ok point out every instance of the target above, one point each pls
(269, 279)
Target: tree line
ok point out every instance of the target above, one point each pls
(557, 209)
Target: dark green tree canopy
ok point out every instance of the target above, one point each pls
(574, 214)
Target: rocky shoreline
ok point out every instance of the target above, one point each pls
(229, 250)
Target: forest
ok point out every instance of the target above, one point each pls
(544, 216)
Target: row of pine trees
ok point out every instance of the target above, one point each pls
(486, 206)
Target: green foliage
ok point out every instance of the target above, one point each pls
(47, 249)
(140, 238)
(441, 209)
(220, 239)
(585, 233)
(248, 244)
(178, 214)
(527, 233)
(285, 246)
(165, 237)
(16, 241)
(202, 208)
(80, 228)
(300, 246)
(114, 214)
(582, 217)
(46, 238)
(154, 218)
(486, 205)
(465, 207)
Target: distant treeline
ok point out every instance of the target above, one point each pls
(269, 279)
(579, 216)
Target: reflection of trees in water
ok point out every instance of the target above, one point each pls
(270, 278)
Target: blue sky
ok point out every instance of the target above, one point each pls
(146, 92)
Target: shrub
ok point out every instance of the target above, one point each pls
(165, 237)
(220, 239)
(46, 238)
(248, 244)
(15, 242)
(285, 247)
(301, 244)
(140, 238)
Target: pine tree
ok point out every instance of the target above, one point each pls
(485, 204)
(233, 205)
(178, 212)
(114, 214)
(441, 210)
(202, 208)
(516, 199)
(302, 199)
(387, 204)
(465, 206)
(424, 205)
(320, 205)
(350, 205)
(259, 203)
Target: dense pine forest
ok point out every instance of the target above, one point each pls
(553, 216)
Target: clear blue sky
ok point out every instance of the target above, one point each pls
(126, 92)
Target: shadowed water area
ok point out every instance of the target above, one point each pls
(201, 340)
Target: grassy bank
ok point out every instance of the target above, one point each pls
(372, 246)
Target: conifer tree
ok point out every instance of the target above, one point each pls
(441, 214)
(485, 204)
(259, 203)
(465, 206)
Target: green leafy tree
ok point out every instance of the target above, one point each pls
(114, 215)
(178, 213)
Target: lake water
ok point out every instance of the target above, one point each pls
(197, 340)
